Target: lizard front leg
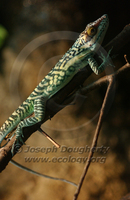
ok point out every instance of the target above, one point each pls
(97, 69)
(39, 111)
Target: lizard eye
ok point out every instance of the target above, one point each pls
(92, 31)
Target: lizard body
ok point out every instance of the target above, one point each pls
(76, 58)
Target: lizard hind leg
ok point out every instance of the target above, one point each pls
(39, 111)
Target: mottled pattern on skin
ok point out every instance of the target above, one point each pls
(77, 57)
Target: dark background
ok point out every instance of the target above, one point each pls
(28, 19)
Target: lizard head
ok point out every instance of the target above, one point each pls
(94, 33)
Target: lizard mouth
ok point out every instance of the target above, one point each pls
(102, 24)
(102, 19)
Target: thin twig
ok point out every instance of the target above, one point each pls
(125, 56)
(42, 175)
(48, 137)
(96, 135)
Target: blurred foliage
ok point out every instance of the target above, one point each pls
(3, 35)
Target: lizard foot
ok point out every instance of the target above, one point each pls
(106, 60)
(17, 144)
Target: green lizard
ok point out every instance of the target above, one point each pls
(76, 58)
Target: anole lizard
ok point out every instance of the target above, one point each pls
(77, 57)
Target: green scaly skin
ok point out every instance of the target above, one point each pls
(77, 57)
